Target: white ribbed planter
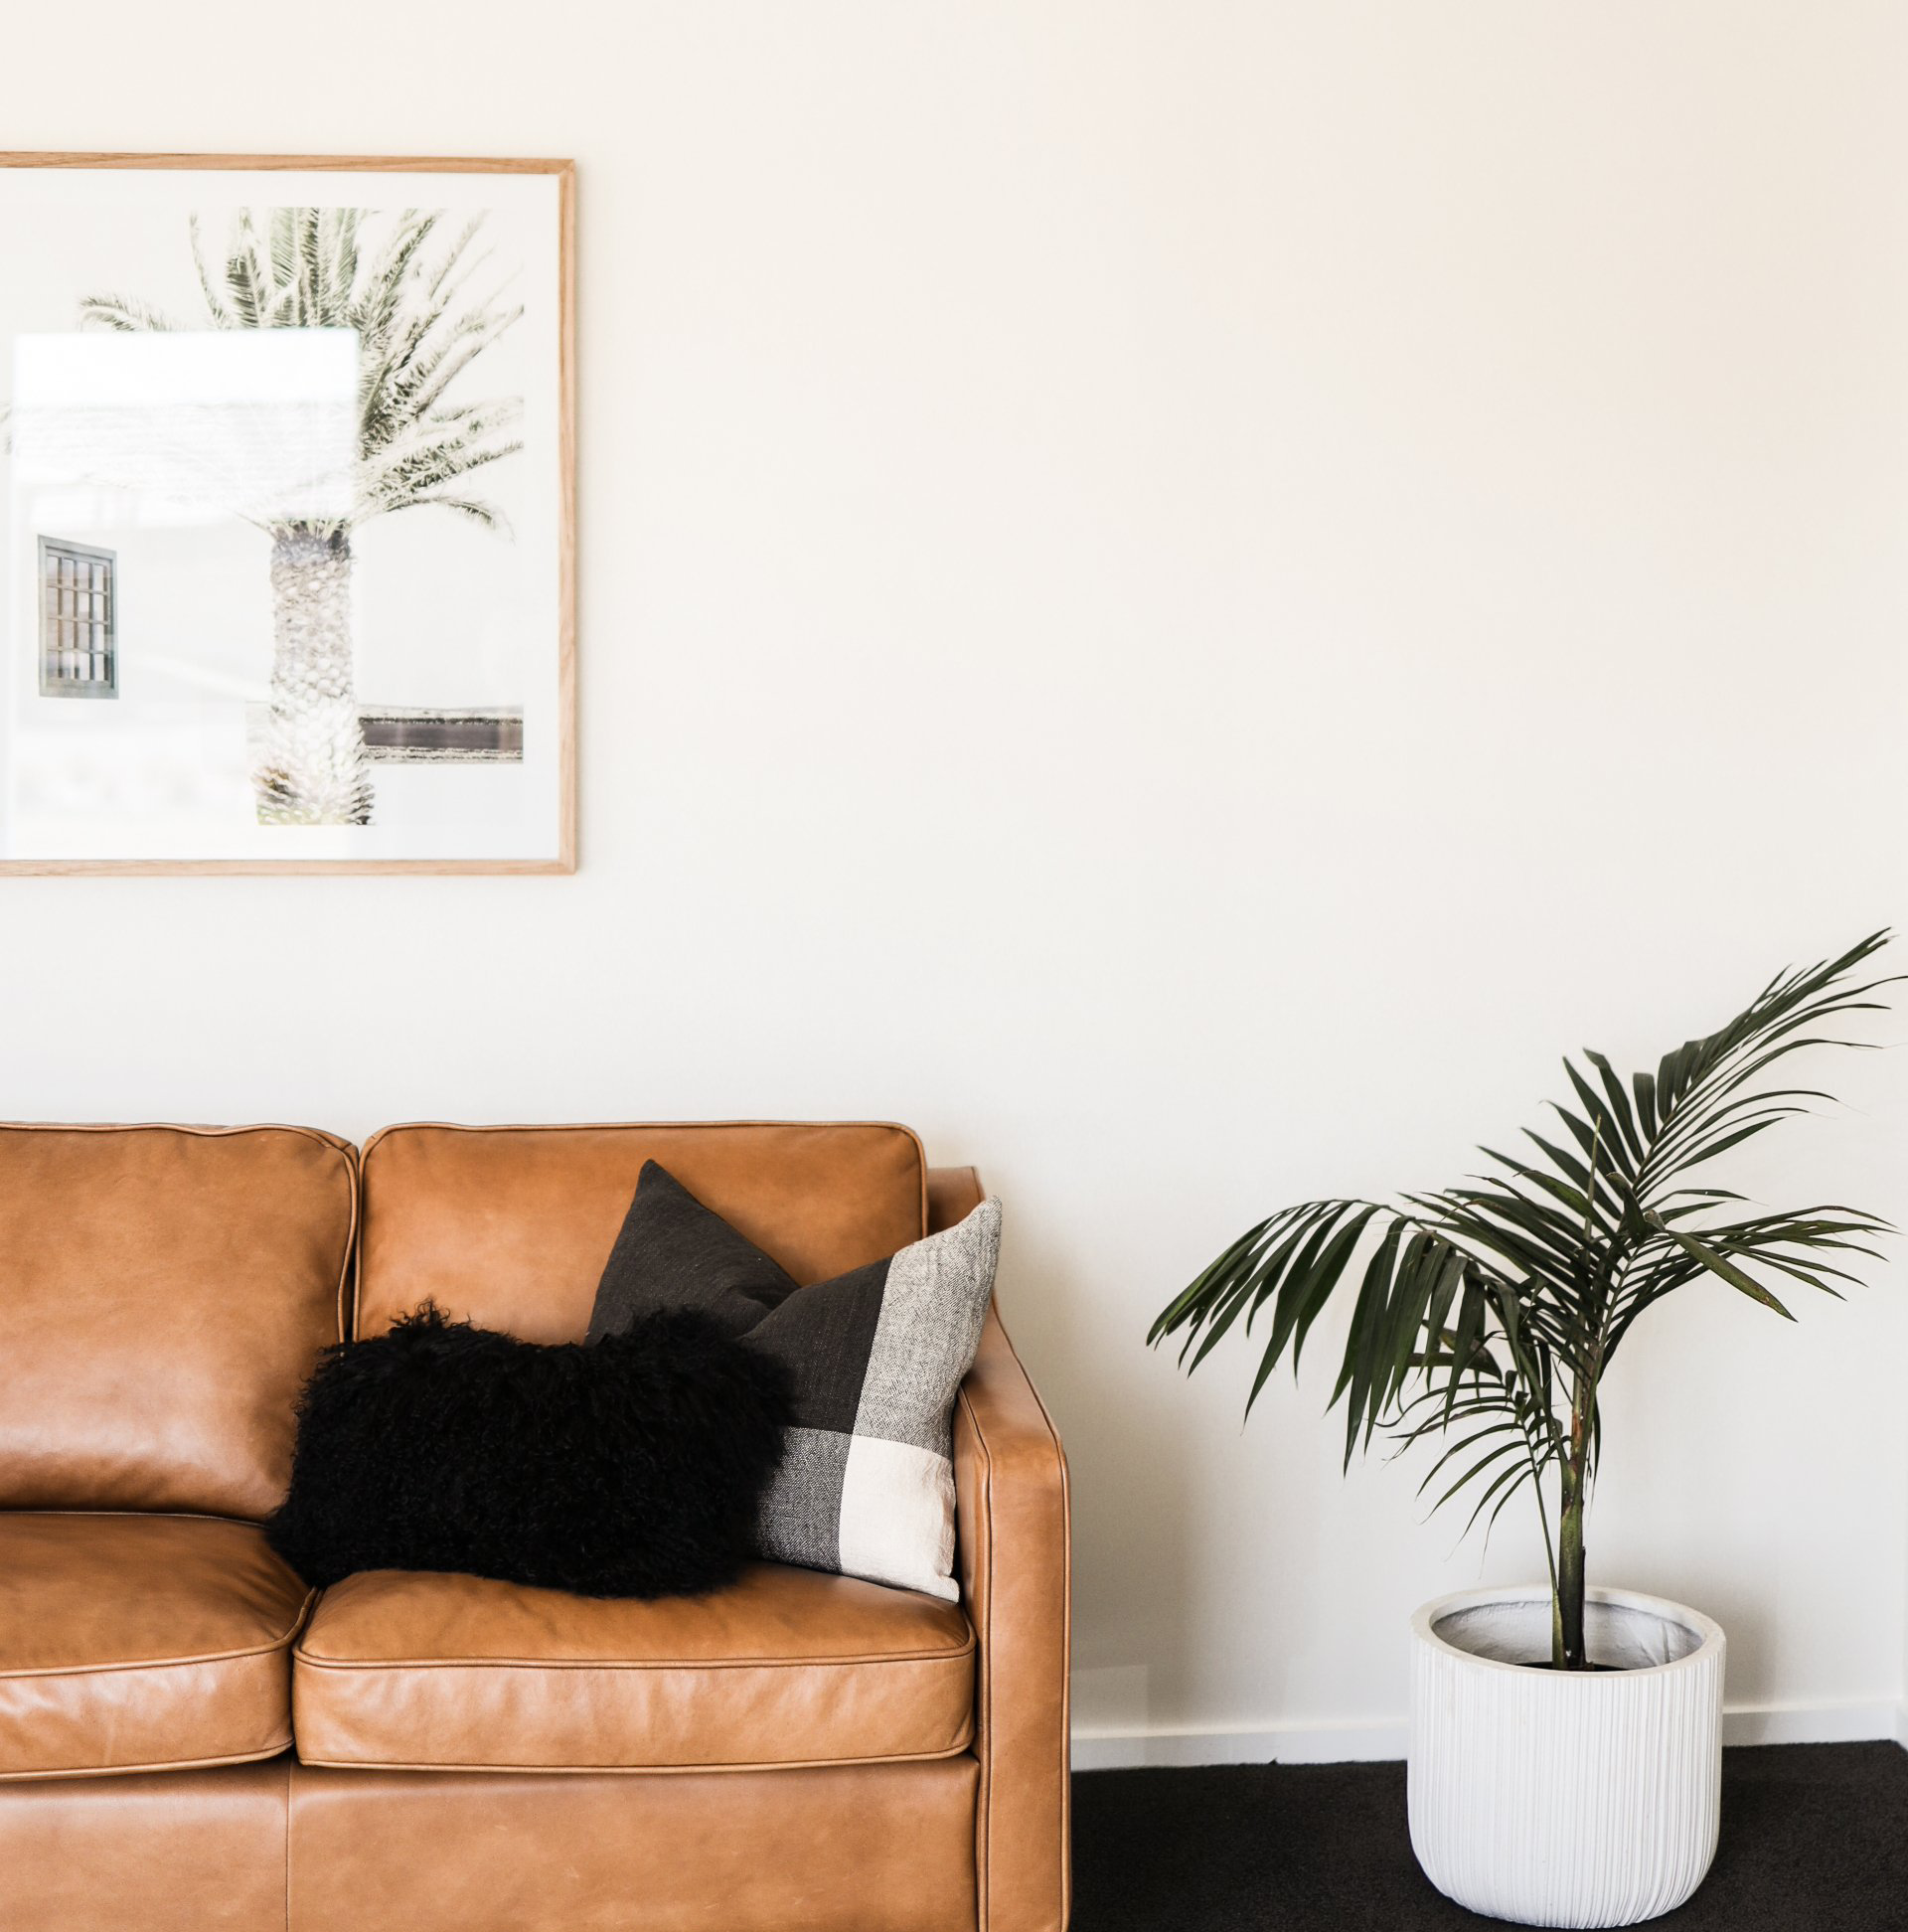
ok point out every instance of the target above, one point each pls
(1565, 1798)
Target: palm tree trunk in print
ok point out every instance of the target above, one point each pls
(312, 771)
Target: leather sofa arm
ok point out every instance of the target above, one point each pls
(1011, 1503)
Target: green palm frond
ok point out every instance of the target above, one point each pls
(217, 304)
(126, 314)
(486, 515)
(1501, 1302)
(418, 331)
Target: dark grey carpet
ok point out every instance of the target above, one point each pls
(1815, 1839)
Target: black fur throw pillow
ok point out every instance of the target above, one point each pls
(629, 1467)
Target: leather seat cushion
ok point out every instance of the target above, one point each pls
(133, 1643)
(413, 1670)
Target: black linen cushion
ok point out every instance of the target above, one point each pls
(875, 1357)
(669, 1236)
(633, 1467)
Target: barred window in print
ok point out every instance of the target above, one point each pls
(78, 595)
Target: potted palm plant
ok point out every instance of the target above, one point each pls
(1565, 1740)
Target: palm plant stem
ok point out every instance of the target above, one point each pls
(1567, 1644)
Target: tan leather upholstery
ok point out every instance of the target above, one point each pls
(167, 1290)
(878, 1848)
(787, 1666)
(1011, 1501)
(163, 1639)
(141, 1642)
(510, 1225)
(176, 1851)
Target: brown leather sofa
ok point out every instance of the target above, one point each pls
(190, 1740)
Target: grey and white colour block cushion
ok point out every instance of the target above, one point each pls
(875, 1357)
(866, 1484)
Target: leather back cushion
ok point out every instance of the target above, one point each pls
(164, 1292)
(510, 1227)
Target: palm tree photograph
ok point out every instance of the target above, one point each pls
(289, 514)
(418, 331)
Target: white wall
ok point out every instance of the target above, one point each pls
(1181, 596)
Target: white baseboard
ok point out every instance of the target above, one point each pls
(1286, 1744)
(1823, 1723)
(1826, 1723)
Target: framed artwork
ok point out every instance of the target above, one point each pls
(286, 446)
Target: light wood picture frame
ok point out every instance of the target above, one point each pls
(223, 377)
